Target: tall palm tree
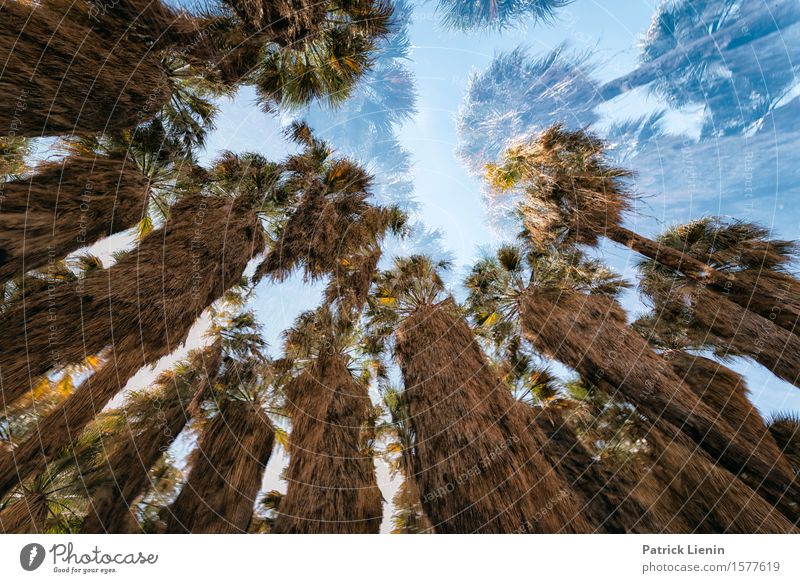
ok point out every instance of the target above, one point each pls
(235, 445)
(227, 469)
(722, 389)
(467, 430)
(496, 14)
(129, 309)
(572, 194)
(146, 426)
(332, 464)
(566, 308)
(105, 185)
(332, 482)
(744, 250)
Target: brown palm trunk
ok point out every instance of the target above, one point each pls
(668, 256)
(590, 334)
(333, 488)
(25, 516)
(786, 432)
(726, 393)
(155, 425)
(65, 206)
(767, 294)
(700, 496)
(143, 307)
(155, 293)
(769, 345)
(772, 295)
(607, 498)
(227, 470)
(468, 433)
(62, 75)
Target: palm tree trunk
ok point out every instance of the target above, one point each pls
(468, 433)
(726, 393)
(701, 495)
(333, 488)
(771, 346)
(227, 469)
(669, 257)
(154, 294)
(772, 297)
(25, 516)
(590, 334)
(785, 429)
(143, 307)
(606, 497)
(142, 443)
(63, 76)
(65, 206)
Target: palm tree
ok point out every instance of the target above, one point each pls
(496, 14)
(104, 186)
(573, 195)
(131, 308)
(227, 469)
(332, 483)
(146, 426)
(235, 445)
(718, 386)
(519, 94)
(686, 46)
(330, 465)
(744, 250)
(566, 308)
(467, 431)
(333, 223)
(758, 264)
